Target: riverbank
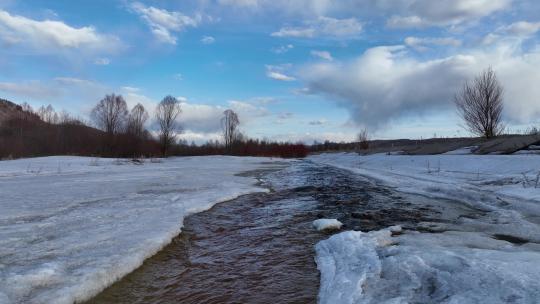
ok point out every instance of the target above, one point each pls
(491, 255)
(71, 226)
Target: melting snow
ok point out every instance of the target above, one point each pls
(71, 226)
(327, 224)
(494, 258)
(450, 267)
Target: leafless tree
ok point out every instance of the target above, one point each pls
(48, 114)
(363, 139)
(166, 113)
(229, 124)
(110, 114)
(137, 118)
(480, 105)
(27, 108)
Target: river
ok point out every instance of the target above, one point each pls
(259, 248)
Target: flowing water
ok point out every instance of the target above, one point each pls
(259, 248)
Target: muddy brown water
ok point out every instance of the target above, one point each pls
(259, 248)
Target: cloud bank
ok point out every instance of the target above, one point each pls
(386, 83)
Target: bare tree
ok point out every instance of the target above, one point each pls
(110, 114)
(137, 118)
(363, 139)
(48, 114)
(480, 105)
(27, 108)
(166, 113)
(229, 124)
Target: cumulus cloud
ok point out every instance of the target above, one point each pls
(277, 72)
(164, 23)
(50, 35)
(322, 54)
(387, 83)
(323, 27)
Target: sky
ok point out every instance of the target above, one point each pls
(299, 70)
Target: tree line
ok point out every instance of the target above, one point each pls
(114, 130)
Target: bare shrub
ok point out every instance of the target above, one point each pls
(166, 113)
(480, 105)
(363, 139)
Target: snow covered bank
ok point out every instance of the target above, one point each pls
(504, 185)
(451, 267)
(492, 256)
(448, 174)
(70, 226)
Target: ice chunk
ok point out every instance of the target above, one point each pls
(327, 224)
(449, 267)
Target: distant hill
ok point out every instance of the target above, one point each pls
(10, 110)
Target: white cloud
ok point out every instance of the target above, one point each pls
(279, 76)
(323, 27)
(201, 117)
(309, 138)
(49, 36)
(322, 54)
(208, 40)
(240, 3)
(282, 49)
(102, 61)
(75, 81)
(423, 43)
(318, 122)
(31, 89)
(200, 137)
(178, 76)
(277, 72)
(405, 13)
(517, 31)
(424, 13)
(129, 89)
(376, 87)
(247, 110)
(285, 115)
(405, 22)
(163, 23)
(295, 32)
(521, 28)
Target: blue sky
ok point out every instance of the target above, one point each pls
(293, 70)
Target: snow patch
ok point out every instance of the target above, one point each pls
(327, 224)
